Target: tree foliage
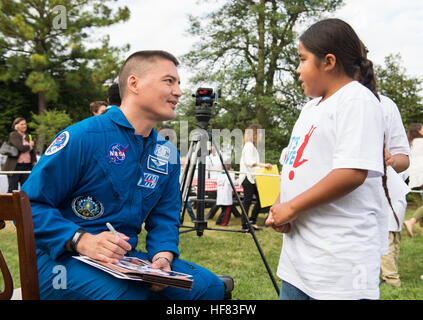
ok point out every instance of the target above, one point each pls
(16, 100)
(52, 47)
(403, 89)
(46, 125)
(248, 48)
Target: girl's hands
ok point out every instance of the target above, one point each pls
(280, 215)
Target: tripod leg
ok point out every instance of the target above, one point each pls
(245, 215)
(187, 176)
(201, 224)
(196, 147)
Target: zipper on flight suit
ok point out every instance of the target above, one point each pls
(144, 151)
(148, 214)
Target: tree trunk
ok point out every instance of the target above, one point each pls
(42, 103)
(42, 106)
(260, 112)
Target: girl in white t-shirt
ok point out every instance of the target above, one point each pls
(328, 207)
(224, 198)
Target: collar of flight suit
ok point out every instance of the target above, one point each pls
(117, 116)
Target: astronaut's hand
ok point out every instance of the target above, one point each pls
(104, 246)
(161, 261)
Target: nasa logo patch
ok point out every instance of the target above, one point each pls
(116, 153)
(87, 208)
(58, 144)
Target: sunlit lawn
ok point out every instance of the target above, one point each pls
(236, 254)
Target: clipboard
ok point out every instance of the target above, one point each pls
(268, 187)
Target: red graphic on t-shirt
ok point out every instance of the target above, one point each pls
(298, 161)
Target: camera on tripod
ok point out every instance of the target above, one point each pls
(204, 100)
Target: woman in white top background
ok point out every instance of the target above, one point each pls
(250, 160)
(415, 138)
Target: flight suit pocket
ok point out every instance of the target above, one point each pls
(150, 185)
(114, 182)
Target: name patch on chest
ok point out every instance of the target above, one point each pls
(148, 180)
(157, 165)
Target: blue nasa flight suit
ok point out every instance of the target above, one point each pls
(98, 171)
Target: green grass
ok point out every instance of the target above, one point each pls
(410, 267)
(9, 250)
(236, 254)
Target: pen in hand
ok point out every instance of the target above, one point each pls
(123, 244)
(110, 227)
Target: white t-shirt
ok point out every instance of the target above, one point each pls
(398, 190)
(224, 189)
(416, 163)
(282, 157)
(396, 142)
(333, 250)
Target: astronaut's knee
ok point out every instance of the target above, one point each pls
(229, 286)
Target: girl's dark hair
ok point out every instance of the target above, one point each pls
(334, 36)
(385, 188)
(413, 132)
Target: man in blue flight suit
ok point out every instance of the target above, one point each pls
(115, 168)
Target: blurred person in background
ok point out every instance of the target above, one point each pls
(26, 158)
(98, 107)
(415, 138)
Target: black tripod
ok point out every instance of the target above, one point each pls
(197, 154)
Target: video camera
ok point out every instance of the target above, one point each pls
(204, 100)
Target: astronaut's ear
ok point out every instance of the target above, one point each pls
(132, 84)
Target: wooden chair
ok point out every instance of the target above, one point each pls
(16, 207)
